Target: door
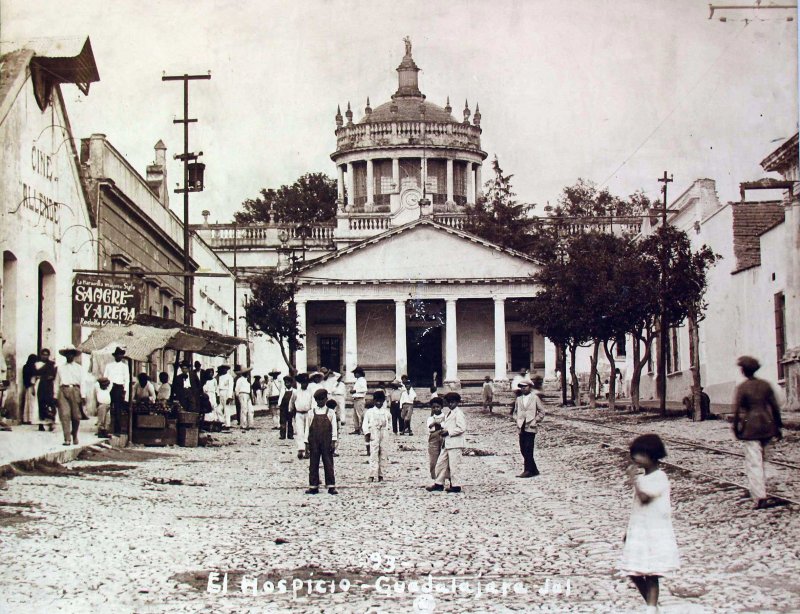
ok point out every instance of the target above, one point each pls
(424, 347)
(520, 351)
(330, 352)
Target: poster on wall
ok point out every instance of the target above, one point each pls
(98, 300)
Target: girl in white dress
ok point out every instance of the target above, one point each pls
(650, 549)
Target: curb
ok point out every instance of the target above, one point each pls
(58, 456)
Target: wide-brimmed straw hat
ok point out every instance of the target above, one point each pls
(69, 349)
(274, 372)
(244, 371)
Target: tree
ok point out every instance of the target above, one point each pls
(271, 312)
(311, 199)
(499, 218)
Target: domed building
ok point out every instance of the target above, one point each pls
(395, 285)
(407, 157)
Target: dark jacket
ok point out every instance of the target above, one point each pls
(756, 412)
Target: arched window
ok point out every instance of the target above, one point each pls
(47, 306)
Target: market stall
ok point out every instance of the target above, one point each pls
(158, 422)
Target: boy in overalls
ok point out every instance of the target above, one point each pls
(321, 434)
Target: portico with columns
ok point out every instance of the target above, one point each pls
(373, 305)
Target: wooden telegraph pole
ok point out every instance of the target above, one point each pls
(662, 328)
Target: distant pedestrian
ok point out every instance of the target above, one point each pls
(454, 425)
(407, 398)
(338, 392)
(225, 392)
(29, 380)
(376, 425)
(650, 549)
(523, 374)
(487, 393)
(368, 406)
(256, 387)
(303, 402)
(243, 392)
(71, 394)
(530, 413)
(274, 389)
(434, 424)
(45, 391)
(756, 421)
(395, 393)
(119, 374)
(286, 409)
(359, 394)
(321, 434)
(102, 397)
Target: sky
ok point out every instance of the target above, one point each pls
(615, 91)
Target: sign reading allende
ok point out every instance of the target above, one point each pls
(98, 300)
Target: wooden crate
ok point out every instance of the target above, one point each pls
(188, 436)
(155, 437)
(150, 421)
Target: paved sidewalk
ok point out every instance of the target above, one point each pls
(25, 442)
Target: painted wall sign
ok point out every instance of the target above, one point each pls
(98, 300)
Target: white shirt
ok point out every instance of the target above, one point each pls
(118, 373)
(303, 399)
(225, 384)
(360, 388)
(242, 386)
(376, 419)
(103, 396)
(70, 374)
(408, 396)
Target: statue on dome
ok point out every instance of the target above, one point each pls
(407, 41)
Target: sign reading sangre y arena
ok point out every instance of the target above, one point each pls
(98, 300)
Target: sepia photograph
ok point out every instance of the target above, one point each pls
(344, 306)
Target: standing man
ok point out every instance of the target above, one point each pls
(243, 392)
(71, 395)
(225, 392)
(523, 374)
(286, 407)
(359, 393)
(407, 397)
(454, 426)
(119, 375)
(530, 413)
(756, 421)
(302, 405)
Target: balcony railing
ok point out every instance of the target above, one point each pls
(408, 133)
(609, 224)
(263, 235)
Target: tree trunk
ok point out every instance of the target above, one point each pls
(593, 375)
(612, 377)
(575, 384)
(636, 372)
(562, 367)
(694, 359)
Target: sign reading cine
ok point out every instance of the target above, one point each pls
(99, 300)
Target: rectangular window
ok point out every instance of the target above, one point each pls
(780, 330)
(651, 357)
(620, 346)
(330, 353)
(359, 183)
(459, 178)
(382, 172)
(410, 173)
(673, 351)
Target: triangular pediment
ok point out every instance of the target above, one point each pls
(421, 251)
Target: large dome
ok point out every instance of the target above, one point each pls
(408, 109)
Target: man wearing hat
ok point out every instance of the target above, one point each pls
(530, 413)
(119, 375)
(359, 394)
(303, 401)
(454, 425)
(274, 389)
(756, 421)
(70, 394)
(243, 392)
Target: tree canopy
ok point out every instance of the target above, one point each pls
(271, 312)
(586, 199)
(310, 199)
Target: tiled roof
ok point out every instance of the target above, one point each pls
(783, 157)
(12, 66)
(750, 221)
(408, 109)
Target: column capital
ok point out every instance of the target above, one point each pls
(451, 299)
(350, 301)
(401, 301)
(499, 299)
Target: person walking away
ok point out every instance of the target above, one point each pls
(320, 437)
(339, 393)
(243, 392)
(359, 394)
(530, 413)
(119, 375)
(303, 402)
(487, 393)
(30, 410)
(45, 391)
(454, 426)
(285, 408)
(395, 392)
(650, 549)
(434, 424)
(756, 421)
(407, 398)
(225, 392)
(71, 395)
(377, 421)
(102, 397)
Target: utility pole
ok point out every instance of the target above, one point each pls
(235, 300)
(662, 328)
(188, 186)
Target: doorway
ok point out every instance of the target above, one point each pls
(520, 351)
(330, 352)
(424, 347)
(46, 320)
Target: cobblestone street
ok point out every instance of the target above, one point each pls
(142, 531)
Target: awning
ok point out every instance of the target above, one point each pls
(150, 333)
(49, 71)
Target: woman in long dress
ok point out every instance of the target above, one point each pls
(30, 407)
(45, 392)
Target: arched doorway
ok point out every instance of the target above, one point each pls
(8, 308)
(46, 313)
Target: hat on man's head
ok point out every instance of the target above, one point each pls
(68, 350)
(316, 374)
(301, 378)
(274, 372)
(320, 394)
(223, 368)
(749, 363)
(244, 371)
(119, 351)
(526, 381)
(452, 396)
(103, 380)
(185, 363)
(437, 401)
(358, 370)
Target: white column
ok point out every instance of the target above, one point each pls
(340, 182)
(370, 183)
(301, 356)
(500, 353)
(451, 343)
(478, 182)
(351, 184)
(400, 350)
(449, 181)
(470, 184)
(550, 355)
(351, 339)
(396, 174)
